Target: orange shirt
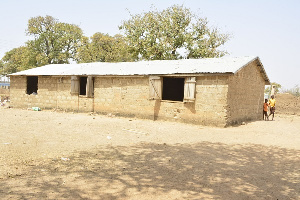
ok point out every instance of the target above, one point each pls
(266, 106)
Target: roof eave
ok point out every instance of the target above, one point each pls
(262, 69)
(263, 72)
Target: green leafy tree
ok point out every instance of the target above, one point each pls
(2, 67)
(103, 48)
(54, 42)
(121, 50)
(18, 59)
(277, 87)
(163, 35)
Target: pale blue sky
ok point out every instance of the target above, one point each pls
(269, 29)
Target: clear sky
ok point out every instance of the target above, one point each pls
(269, 29)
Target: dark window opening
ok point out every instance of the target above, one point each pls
(32, 85)
(173, 89)
(83, 82)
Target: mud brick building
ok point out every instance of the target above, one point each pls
(212, 91)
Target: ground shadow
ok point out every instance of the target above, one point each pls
(185, 171)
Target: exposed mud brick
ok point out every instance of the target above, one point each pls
(219, 99)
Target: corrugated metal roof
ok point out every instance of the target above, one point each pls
(157, 67)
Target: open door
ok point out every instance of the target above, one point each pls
(155, 87)
(189, 89)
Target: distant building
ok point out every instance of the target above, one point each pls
(212, 91)
(4, 87)
(4, 82)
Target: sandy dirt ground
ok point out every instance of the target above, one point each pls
(54, 155)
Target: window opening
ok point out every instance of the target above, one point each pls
(83, 81)
(32, 85)
(173, 89)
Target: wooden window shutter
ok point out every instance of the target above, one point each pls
(189, 89)
(74, 85)
(155, 87)
(90, 87)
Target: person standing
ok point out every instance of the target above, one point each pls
(272, 102)
(265, 113)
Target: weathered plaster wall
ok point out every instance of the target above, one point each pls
(220, 99)
(53, 93)
(245, 95)
(123, 96)
(130, 97)
(127, 96)
(209, 107)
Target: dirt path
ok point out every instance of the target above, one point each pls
(51, 155)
